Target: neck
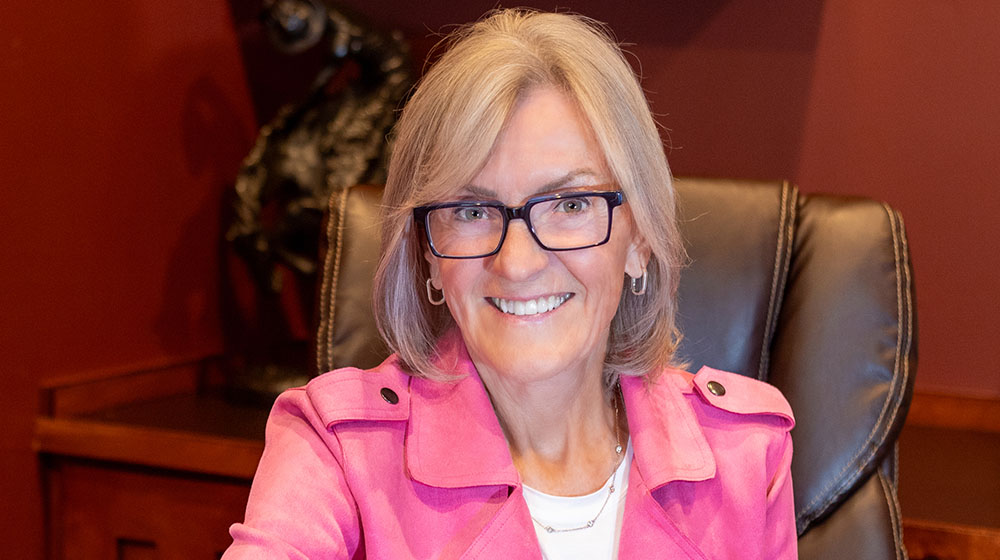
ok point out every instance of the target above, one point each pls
(562, 431)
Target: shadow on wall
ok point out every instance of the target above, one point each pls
(215, 139)
(273, 78)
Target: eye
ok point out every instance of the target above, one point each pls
(573, 205)
(470, 213)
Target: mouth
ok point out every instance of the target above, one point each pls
(535, 306)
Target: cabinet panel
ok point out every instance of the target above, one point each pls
(106, 510)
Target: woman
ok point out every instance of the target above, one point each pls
(530, 262)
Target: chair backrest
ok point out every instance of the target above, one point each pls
(811, 293)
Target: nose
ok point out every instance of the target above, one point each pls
(520, 256)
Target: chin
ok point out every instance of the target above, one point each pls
(531, 356)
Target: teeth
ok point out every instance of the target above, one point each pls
(543, 305)
(530, 307)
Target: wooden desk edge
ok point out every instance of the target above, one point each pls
(954, 411)
(934, 539)
(90, 391)
(153, 447)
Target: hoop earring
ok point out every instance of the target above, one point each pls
(430, 294)
(638, 286)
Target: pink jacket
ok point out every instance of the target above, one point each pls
(348, 471)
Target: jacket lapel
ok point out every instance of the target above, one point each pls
(453, 439)
(510, 534)
(647, 532)
(669, 446)
(668, 441)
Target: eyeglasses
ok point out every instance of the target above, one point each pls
(558, 222)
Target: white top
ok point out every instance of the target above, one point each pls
(564, 512)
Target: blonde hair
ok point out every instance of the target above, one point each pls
(446, 133)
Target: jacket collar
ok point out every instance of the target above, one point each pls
(667, 439)
(454, 439)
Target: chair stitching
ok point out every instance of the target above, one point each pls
(895, 465)
(341, 224)
(895, 486)
(790, 232)
(909, 299)
(906, 355)
(845, 482)
(896, 368)
(780, 267)
(892, 501)
(904, 258)
(903, 293)
(774, 281)
(331, 277)
(324, 290)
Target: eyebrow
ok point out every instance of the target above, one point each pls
(476, 190)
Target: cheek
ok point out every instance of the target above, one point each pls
(602, 274)
(609, 272)
(458, 279)
(611, 289)
(456, 275)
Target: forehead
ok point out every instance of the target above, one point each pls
(546, 145)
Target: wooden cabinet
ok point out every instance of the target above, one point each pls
(154, 463)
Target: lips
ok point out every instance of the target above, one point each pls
(531, 306)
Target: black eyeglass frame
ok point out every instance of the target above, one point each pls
(613, 198)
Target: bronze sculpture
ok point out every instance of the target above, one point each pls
(334, 139)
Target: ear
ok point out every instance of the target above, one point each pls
(637, 256)
(434, 267)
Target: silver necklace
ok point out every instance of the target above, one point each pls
(611, 489)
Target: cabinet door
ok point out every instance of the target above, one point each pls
(105, 511)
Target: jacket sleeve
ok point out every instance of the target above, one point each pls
(781, 539)
(300, 504)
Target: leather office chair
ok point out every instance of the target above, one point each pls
(811, 293)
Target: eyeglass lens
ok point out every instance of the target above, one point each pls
(558, 224)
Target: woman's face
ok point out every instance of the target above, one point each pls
(546, 148)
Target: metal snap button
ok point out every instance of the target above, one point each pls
(389, 396)
(716, 388)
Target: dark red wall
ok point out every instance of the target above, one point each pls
(122, 123)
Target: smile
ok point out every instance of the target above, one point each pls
(531, 306)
